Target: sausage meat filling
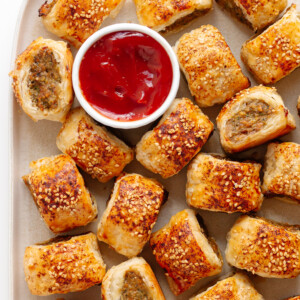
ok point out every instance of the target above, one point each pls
(134, 287)
(252, 117)
(177, 25)
(44, 79)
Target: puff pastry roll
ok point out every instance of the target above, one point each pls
(177, 138)
(294, 298)
(253, 117)
(212, 72)
(276, 52)
(131, 213)
(94, 149)
(168, 15)
(75, 20)
(59, 192)
(282, 171)
(63, 265)
(237, 287)
(219, 184)
(42, 80)
(257, 14)
(131, 280)
(184, 252)
(264, 247)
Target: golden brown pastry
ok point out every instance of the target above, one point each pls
(59, 192)
(237, 287)
(63, 265)
(75, 20)
(257, 14)
(168, 15)
(42, 80)
(131, 213)
(212, 72)
(184, 252)
(294, 298)
(276, 52)
(131, 280)
(94, 149)
(282, 171)
(219, 184)
(177, 138)
(253, 117)
(265, 248)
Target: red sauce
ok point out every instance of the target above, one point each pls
(126, 75)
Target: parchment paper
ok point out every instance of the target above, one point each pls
(31, 141)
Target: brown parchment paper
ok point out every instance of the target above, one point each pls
(31, 141)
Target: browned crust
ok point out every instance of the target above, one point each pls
(132, 211)
(219, 184)
(257, 14)
(212, 72)
(102, 156)
(176, 140)
(267, 248)
(178, 253)
(64, 266)
(141, 193)
(275, 53)
(75, 21)
(163, 15)
(59, 192)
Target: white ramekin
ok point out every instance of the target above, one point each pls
(125, 124)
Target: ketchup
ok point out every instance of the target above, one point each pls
(126, 75)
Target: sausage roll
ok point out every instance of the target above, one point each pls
(63, 265)
(131, 280)
(265, 248)
(184, 252)
(177, 138)
(219, 184)
(131, 213)
(237, 287)
(59, 192)
(42, 80)
(253, 117)
(212, 72)
(276, 52)
(168, 15)
(75, 20)
(94, 149)
(294, 298)
(257, 14)
(282, 171)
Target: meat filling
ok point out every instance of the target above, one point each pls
(184, 21)
(134, 287)
(234, 10)
(44, 79)
(250, 119)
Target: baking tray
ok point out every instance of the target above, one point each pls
(31, 141)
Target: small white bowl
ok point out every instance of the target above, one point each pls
(125, 124)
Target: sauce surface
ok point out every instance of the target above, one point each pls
(126, 75)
